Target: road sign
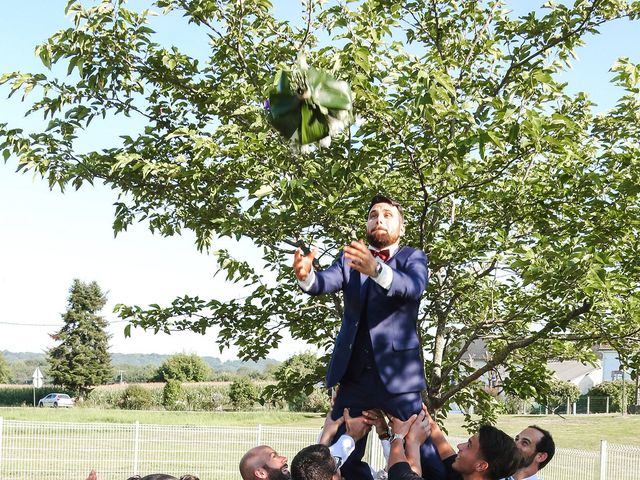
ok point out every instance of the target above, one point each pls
(37, 378)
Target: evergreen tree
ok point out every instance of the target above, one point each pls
(4, 370)
(82, 359)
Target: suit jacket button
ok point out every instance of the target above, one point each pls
(350, 345)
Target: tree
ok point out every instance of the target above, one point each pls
(81, 360)
(184, 368)
(5, 372)
(524, 197)
(297, 381)
(558, 393)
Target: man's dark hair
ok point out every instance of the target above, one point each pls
(499, 450)
(313, 463)
(545, 445)
(384, 199)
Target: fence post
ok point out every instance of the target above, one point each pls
(568, 405)
(136, 447)
(603, 460)
(259, 435)
(588, 405)
(607, 404)
(575, 408)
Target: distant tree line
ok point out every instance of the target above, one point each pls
(18, 369)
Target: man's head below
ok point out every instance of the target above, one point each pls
(385, 222)
(315, 463)
(264, 463)
(536, 446)
(489, 454)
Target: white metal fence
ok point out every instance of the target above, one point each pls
(68, 451)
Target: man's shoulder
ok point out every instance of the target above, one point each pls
(410, 255)
(406, 251)
(451, 474)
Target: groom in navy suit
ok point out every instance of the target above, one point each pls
(376, 358)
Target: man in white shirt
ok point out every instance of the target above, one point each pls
(537, 448)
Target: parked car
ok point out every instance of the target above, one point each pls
(56, 400)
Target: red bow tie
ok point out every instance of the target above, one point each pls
(382, 254)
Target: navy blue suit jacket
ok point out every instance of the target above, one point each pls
(391, 315)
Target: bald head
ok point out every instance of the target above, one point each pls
(264, 463)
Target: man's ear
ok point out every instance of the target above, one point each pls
(260, 473)
(541, 456)
(481, 466)
(402, 229)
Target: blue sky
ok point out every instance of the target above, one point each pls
(49, 238)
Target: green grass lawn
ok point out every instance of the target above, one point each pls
(240, 419)
(581, 432)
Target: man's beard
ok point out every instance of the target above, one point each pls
(277, 473)
(381, 238)
(526, 461)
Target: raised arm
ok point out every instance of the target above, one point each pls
(410, 281)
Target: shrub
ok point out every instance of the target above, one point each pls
(136, 397)
(173, 396)
(243, 393)
(316, 401)
(614, 391)
(207, 397)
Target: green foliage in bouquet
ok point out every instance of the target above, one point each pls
(307, 105)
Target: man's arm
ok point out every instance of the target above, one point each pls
(329, 429)
(417, 435)
(412, 280)
(316, 283)
(400, 430)
(445, 450)
(399, 468)
(356, 428)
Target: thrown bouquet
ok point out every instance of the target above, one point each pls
(307, 105)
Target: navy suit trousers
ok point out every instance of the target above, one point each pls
(364, 392)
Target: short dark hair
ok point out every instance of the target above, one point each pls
(545, 445)
(313, 463)
(499, 450)
(384, 199)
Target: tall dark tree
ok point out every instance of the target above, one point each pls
(82, 359)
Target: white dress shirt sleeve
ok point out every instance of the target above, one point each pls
(384, 278)
(309, 281)
(343, 447)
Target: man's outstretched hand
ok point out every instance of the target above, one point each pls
(360, 258)
(302, 264)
